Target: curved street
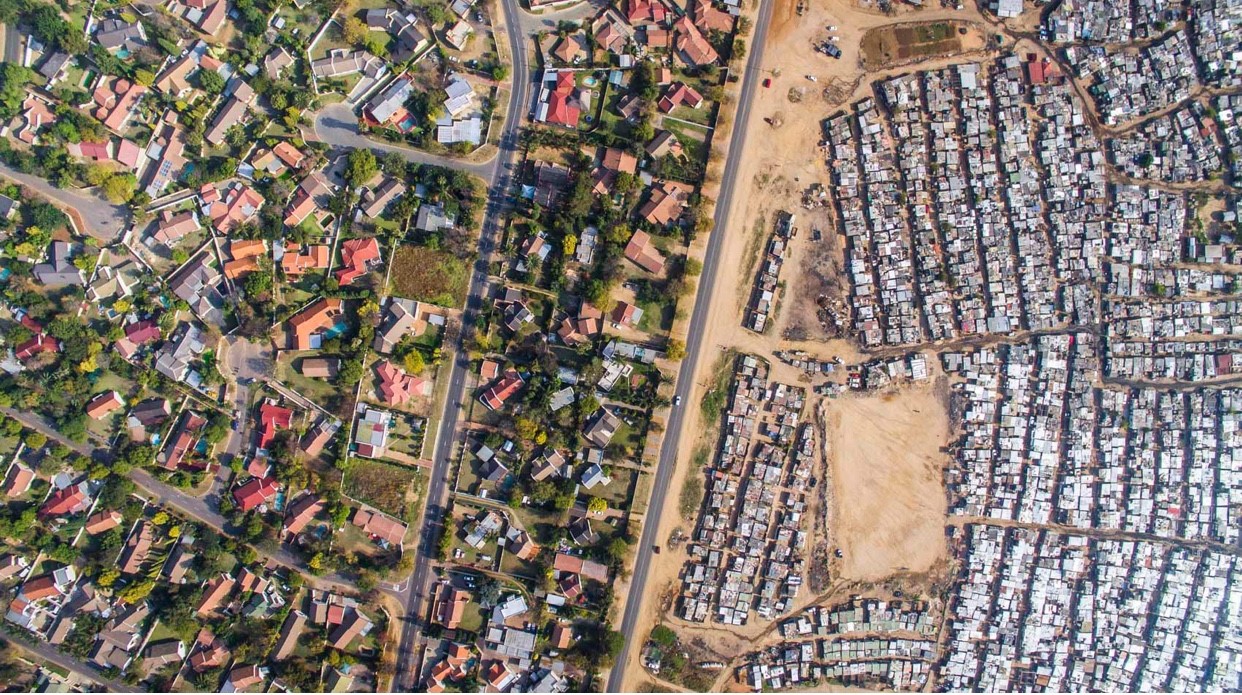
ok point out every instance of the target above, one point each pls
(103, 220)
(337, 125)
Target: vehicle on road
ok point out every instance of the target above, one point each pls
(676, 400)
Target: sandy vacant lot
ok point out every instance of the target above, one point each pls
(886, 475)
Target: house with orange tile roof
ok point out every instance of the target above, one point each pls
(665, 203)
(244, 257)
(306, 328)
(708, 18)
(301, 512)
(561, 104)
(218, 589)
(17, 480)
(358, 256)
(300, 258)
(380, 527)
(272, 418)
(36, 113)
(103, 404)
(173, 227)
(182, 441)
(643, 253)
(355, 624)
(450, 606)
(290, 155)
(499, 676)
(66, 501)
(103, 521)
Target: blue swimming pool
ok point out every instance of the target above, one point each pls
(335, 330)
(589, 81)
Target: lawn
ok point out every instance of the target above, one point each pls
(322, 391)
(428, 275)
(617, 492)
(387, 487)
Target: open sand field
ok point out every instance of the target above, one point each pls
(887, 472)
(886, 475)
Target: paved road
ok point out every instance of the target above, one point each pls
(337, 125)
(685, 376)
(47, 654)
(104, 221)
(197, 508)
(500, 181)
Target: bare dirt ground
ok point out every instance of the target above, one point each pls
(886, 458)
(886, 473)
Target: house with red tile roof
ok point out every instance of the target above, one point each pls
(137, 334)
(272, 417)
(358, 256)
(498, 676)
(574, 564)
(396, 387)
(679, 94)
(500, 392)
(307, 326)
(355, 624)
(182, 441)
(103, 404)
(66, 501)
(255, 492)
(37, 345)
(560, 105)
(18, 480)
(643, 253)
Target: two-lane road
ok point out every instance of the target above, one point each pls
(685, 377)
(500, 182)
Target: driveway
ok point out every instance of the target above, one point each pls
(102, 219)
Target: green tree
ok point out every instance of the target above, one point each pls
(120, 188)
(597, 505)
(414, 362)
(360, 166)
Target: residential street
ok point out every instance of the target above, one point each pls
(196, 508)
(47, 653)
(104, 221)
(337, 125)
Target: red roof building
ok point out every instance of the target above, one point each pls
(396, 387)
(18, 480)
(37, 345)
(272, 417)
(562, 110)
(183, 440)
(357, 255)
(66, 501)
(255, 492)
(494, 398)
(103, 404)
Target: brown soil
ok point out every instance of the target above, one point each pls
(886, 459)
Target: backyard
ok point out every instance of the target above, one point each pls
(389, 488)
(429, 275)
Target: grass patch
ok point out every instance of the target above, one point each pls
(692, 489)
(716, 397)
(428, 275)
(387, 487)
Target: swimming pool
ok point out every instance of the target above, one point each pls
(334, 330)
(589, 81)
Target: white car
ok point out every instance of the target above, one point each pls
(676, 400)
